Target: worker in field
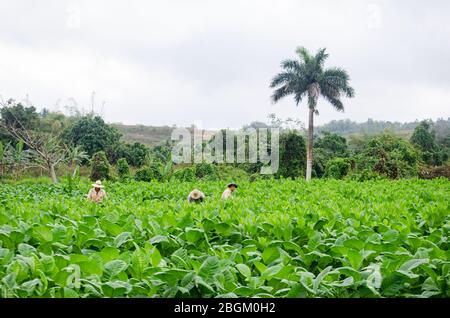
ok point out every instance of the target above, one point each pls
(229, 190)
(97, 194)
(196, 196)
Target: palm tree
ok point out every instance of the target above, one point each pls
(75, 158)
(306, 77)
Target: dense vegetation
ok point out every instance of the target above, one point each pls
(67, 145)
(317, 239)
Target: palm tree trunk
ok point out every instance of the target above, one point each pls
(309, 150)
(75, 171)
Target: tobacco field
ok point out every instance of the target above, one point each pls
(274, 238)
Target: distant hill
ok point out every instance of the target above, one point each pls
(370, 127)
(154, 135)
(150, 135)
(347, 128)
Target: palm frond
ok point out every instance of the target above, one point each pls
(291, 66)
(320, 57)
(299, 96)
(304, 54)
(332, 95)
(280, 93)
(282, 78)
(287, 83)
(337, 103)
(338, 79)
(306, 76)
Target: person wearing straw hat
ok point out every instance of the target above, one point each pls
(97, 194)
(196, 196)
(231, 187)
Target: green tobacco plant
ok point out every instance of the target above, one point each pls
(324, 238)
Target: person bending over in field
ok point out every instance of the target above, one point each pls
(97, 194)
(196, 196)
(229, 190)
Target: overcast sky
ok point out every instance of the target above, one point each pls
(210, 62)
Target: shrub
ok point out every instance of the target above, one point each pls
(148, 173)
(292, 156)
(99, 166)
(389, 156)
(337, 168)
(231, 173)
(205, 171)
(144, 174)
(185, 174)
(123, 169)
(435, 172)
(365, 175)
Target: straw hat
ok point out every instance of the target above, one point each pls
(98, 184)
(196, 194)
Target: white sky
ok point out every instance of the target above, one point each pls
(211, 62)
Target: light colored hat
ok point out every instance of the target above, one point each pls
(98, 184)
(196, 194)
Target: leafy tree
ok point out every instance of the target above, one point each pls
(389, 156)
(17, 116)
(327, 147)
(162, 153)
(100, 169)
(442, 129)
(46, 149)
(137, 154)
(76, 157)
(292, 155)
(123, 169)
(93, 135)
(333, 144)
(306, 77)
(425, 140)
(54, 122)
(423, 137)
(338, 168)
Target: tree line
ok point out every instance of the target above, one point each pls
(46, 140)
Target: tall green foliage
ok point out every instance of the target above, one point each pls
(100, 168)
(136, 154)
(93, 135)
(326, 148)
(389, 156)
(337, 168)
(147, 174)
(2, 149)
(18, 116)
(205, 171)
(185, 174)
(292, 155)
(123, 169)
(424, 138)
